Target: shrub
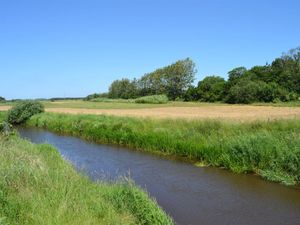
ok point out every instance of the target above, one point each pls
(23, 111)
(245, 91)
(153, 99)
(211, 89)
(191, 94)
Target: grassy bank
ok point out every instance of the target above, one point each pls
(270, 149)
(38, 187)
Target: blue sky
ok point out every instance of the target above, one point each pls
(73, 48)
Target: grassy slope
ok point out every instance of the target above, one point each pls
(38, 187)
(271, 149)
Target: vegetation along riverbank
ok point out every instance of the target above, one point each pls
(37, 186)
(268, 148)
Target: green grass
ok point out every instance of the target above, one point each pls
(112, 100)
(129, 104)
(152, 99)
(3, 116)
(38, 187)
(279, 104)
(116, 104)
(270, 149)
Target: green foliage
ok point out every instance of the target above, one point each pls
(94, 96)
(211, 89)
(53, 99)
(22, 111)
(172, 80)
(286, 70)
(2, 99)
(112, 100)
(37, 186)
(6, 129)
(279, 81)
(270, 149)
(3, 116)
(152, 99)
(245, 91)
(123, 89)
(191, 94)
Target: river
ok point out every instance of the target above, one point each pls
(189, 194)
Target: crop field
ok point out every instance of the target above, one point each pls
(174, 110)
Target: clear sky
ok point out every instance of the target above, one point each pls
(63, 48)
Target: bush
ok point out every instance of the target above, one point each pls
(152, 99)
(23, 111)
(211, 89)
(245, 92)
(191, 94)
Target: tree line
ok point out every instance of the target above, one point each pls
(278, 81)
(172, 80)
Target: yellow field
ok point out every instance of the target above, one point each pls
(175, 110)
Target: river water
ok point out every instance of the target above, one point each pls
(189, 194)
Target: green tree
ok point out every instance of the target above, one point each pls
(211, 88)
(261, 73)
(286, 70)
(2, 99)
(172, 80)
(191, 94)
(233, 77)
(236, 74)
(123, 88)
(244, 91)
(178, 77)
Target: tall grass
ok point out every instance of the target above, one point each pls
(119, 100)
(38, 187)
(152, 99)
(270, 149)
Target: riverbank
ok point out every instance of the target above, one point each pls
(38, 187)
(269, 149)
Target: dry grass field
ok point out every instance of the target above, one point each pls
(205, 111)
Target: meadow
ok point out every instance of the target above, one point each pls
(270, 149)
(131, 104)
(43, 188)
(174, 110)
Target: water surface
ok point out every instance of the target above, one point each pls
(191, 195)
